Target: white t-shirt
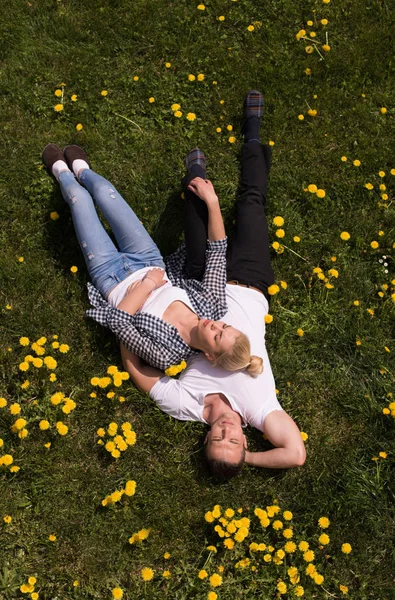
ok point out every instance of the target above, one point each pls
(157, 301)
(253, 398)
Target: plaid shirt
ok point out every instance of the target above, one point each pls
(154, 340)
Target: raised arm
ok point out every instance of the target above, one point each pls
(281, 431)
(205, 190)
(143, 376)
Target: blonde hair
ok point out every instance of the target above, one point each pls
(239, 357)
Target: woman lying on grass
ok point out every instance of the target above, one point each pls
(163, 317)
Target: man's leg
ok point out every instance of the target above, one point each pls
(249, 256)
(195, 217)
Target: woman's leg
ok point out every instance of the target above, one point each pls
(99, 252)
(249, 256)
(131, 236)
(195, 222)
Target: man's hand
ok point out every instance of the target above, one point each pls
(204, 189)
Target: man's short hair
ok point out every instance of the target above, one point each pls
(223, 470)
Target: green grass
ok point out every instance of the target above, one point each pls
(334, 389)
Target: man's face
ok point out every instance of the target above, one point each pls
(225, 440)
(216, 337)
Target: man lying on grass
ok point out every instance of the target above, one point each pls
(228, 401)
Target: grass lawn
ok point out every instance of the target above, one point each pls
(329, 113)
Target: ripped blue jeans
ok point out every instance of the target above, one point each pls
(107, 266)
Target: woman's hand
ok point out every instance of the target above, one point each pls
(204, 189)
(155, 276)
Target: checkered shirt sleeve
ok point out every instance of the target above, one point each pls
(208, 297)
(156, 342)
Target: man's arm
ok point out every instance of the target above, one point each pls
(143, 376)
(282, 432)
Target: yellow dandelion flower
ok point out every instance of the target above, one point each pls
(147, 573)
(58, 107)
(273, 289)
(215, 580)
(343, 589)
(323, 522)
(324, 539)
(303, 546)
(345, 235)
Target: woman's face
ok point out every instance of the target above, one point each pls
(215, 337)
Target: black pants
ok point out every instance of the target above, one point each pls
(248, 257)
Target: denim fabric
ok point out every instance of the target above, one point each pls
(107, 266)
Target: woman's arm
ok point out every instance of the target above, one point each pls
(143, 376)
(139, 291)
(205, 190)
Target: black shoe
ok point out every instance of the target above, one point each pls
(195, 157)
(50, 155)
(253, 104)
(74, 152)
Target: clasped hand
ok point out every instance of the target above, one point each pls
(154, 277)
(204, 189)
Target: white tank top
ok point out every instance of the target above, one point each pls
(158, 301)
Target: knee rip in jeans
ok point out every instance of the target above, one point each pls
(89, 255)
(73, 199)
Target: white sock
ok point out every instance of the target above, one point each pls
(58, 167)
(78, 165)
